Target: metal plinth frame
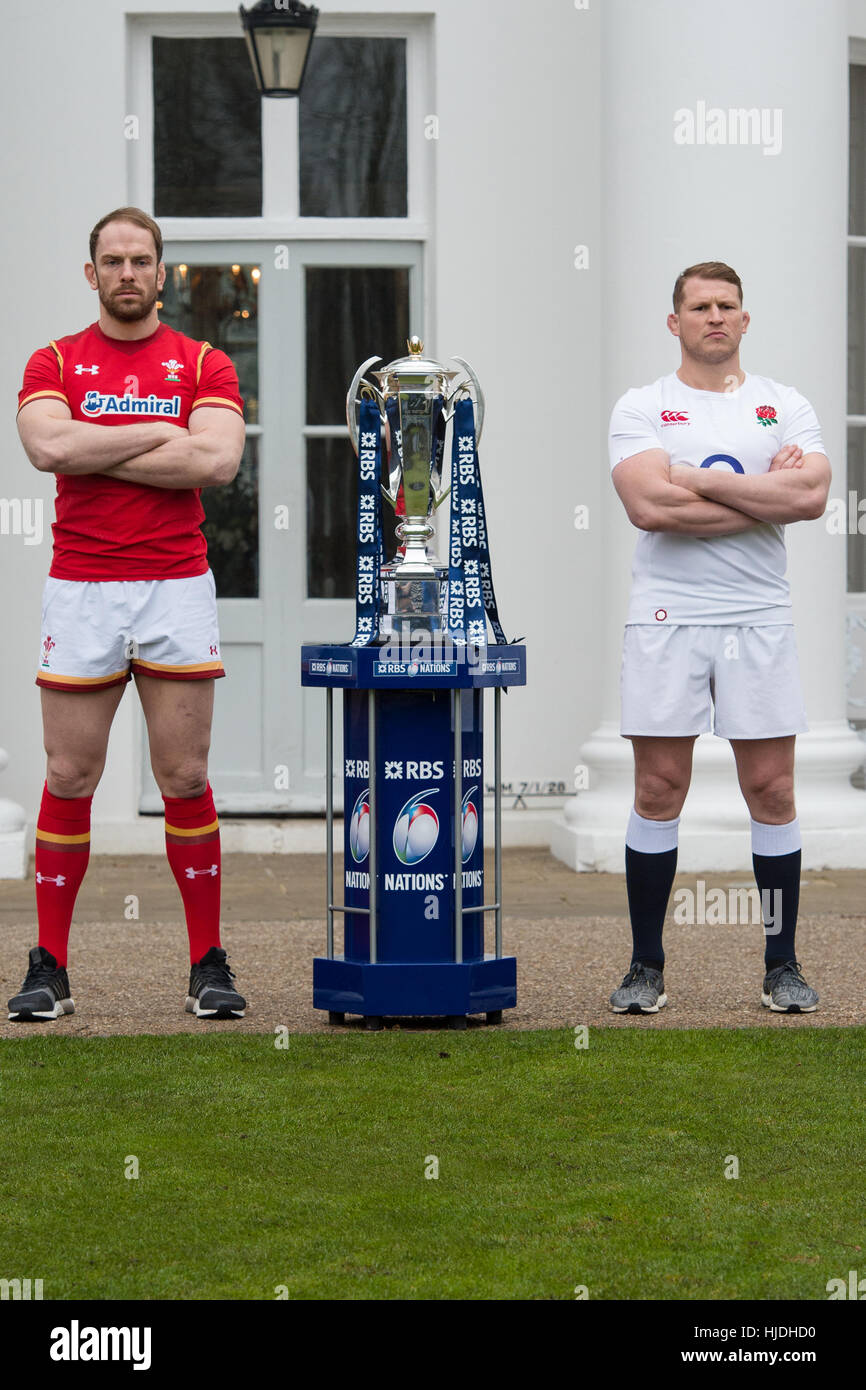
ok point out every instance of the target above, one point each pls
(453, 989)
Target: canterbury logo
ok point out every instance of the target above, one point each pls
(675, 417)
(194, 873)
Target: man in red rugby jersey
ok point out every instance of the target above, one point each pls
(134, 419)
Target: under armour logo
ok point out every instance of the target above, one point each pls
(214, 651)
(80, 370)
(46, 878)
(194, 873)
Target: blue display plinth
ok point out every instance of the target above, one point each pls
(413, 842)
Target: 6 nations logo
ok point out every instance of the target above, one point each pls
(417, 828)
(470, 825)
(359, 828)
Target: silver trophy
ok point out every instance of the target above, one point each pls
(425, 392)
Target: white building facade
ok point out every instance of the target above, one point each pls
(518, 185)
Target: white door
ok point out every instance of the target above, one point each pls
(296, 319)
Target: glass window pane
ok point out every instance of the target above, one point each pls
(856, 330)
(857, 150)
(207, 130)
(857, 485)
(232, 528)
(353, 159)
(219, 304)
(352, 313)
(332, 511)
(332, 505)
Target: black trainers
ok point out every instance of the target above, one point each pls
(44, 993)
(211, 993)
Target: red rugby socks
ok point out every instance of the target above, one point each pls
(62, 852)
(192, 843)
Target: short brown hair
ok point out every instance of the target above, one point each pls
(135, 215)
(705, 270)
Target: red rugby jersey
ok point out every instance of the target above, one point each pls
(108, 528)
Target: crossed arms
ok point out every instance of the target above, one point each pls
(206, 454)
(708, 502)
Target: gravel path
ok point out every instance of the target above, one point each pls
(568, 931)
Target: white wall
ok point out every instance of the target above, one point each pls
(517, 188)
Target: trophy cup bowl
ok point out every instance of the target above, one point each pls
(421, 393)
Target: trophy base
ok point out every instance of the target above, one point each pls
(412, 602)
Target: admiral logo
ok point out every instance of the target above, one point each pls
(96, 404)
(675, 417)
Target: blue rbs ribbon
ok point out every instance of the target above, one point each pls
(471, 599)
(369, 533)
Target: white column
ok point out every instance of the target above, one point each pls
(13, 848)
(779, 219)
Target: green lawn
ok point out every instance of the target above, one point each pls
(304, 1167)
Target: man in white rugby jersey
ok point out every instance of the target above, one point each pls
(711, 463)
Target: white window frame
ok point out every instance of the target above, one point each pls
(280, 215)
(855, 601)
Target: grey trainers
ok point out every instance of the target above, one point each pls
(641, 992)
(786, 992)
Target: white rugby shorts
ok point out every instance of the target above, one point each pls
(97, 633)
(738, 682)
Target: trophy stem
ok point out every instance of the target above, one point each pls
(413, 535)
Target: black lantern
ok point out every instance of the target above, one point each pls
(278, 35)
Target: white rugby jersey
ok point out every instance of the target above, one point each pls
(724, 579)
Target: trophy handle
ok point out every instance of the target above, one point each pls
(352, 399)
(479, 396)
